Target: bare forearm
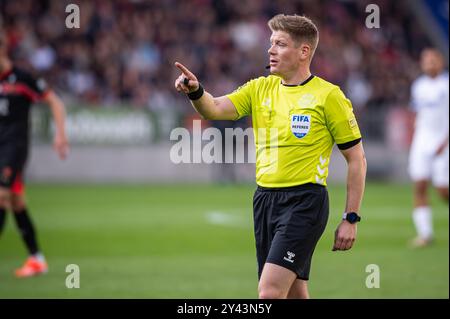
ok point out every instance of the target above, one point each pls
(205, 106)
(355, 184)
(211, 108)
(60, 142)
(59, 115)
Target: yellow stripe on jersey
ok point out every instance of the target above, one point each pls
(295, 128)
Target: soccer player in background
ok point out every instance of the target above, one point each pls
(428, 160)
(18, 90)
(307, 115)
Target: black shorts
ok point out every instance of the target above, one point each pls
(12, 162)
(288, 224)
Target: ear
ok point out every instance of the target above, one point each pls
(305, 51)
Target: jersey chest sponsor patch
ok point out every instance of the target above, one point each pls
(300, 124)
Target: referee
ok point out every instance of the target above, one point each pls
(301, 116)
(18, 90)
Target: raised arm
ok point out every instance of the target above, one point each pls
(209, 107)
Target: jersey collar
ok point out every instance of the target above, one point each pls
(301, 84)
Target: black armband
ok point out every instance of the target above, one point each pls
(196, 94)
(348, 145)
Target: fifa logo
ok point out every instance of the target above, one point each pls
(300, 118)
(300, 124)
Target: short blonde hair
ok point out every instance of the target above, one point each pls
(300, 28)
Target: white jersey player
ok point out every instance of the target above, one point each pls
(429, 154)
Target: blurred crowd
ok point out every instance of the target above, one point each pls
(124, 50)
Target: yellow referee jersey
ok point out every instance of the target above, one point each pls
(295, 128)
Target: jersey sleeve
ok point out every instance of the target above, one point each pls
(242, 98)
(340, 119)
(38, 86)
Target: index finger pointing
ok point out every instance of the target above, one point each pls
(184, 69)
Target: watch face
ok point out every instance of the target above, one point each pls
(352, 217)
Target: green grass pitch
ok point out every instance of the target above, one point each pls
(196, 241)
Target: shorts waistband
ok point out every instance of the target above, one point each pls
(290, 188)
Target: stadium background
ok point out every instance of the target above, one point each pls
(139, 225)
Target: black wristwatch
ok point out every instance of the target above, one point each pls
(351, 217)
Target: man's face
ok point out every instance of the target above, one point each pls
(285, 56)
(431, 62)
